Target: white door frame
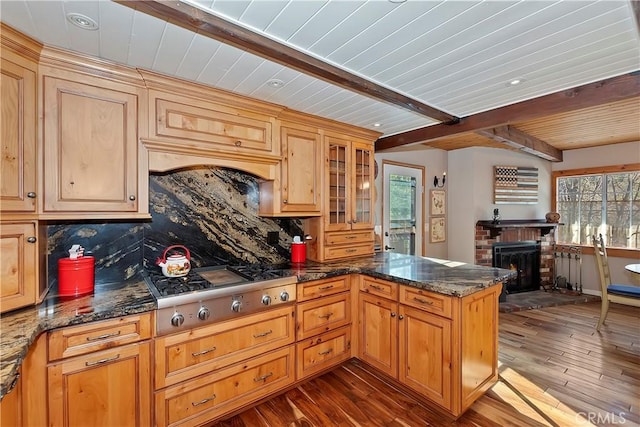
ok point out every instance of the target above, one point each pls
(387, 167)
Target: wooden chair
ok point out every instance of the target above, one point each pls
(621, 294)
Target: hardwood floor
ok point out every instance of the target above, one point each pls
(555, 370)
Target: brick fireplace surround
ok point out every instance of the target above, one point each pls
(509, 231)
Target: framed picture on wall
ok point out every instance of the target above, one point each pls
(438, 230)
(438, 203)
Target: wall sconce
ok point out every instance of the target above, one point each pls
(436, 180)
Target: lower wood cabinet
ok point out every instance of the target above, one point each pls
(425, 354)
(11, 406)
(105, 388)
(209, 396)
(445, 348)
(99, 373)
(322, 352)
(186, 355)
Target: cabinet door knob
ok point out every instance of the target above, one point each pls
(31, 239)
(31, 195)
(238, 143)
(393, 314)
(401, 317)
(285, 201)
(132, 197)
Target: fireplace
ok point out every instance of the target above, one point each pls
(522, 257)
(540, 232)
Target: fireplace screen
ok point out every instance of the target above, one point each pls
(522, 257)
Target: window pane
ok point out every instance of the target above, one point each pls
(588, 207)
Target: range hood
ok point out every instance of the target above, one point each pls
(163, 156)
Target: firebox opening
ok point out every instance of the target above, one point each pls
(522, 257)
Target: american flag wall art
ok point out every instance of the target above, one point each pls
(515, 185)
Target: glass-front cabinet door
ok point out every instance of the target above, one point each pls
(338, 215)
(363, 170)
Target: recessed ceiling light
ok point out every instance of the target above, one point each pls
(515, 82)
(377, 125)
(82, 21)
(397, 1)
(275, 83)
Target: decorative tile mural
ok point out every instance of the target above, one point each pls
(212, 211)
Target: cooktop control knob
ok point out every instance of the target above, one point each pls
(236, 305)
(266, 300)
(204, 313)
(284, 296)
(177, 319)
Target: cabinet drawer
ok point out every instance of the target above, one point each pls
(427, 301)
(77, 340)
(323, 351)
(337, 252)
(347, 238)
(322, 315)
(320, 288)
(379, 287)
(210, 396)
(192, 353)
(190, 119)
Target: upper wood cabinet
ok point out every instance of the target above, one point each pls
(346, 227)
(18, 101)
(214, 125)
(297, 192)
(23, 244)
(91, 146)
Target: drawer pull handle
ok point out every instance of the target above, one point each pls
(325, 316)
(324, 288)
(200, 353)
(101, 361)
(264, 334)
(263, 378)
(208, 399)
(349, 251)
(238, 143)
(104, 336)
(324, 353)
(350, 237)
(376, 287)
(423, 301)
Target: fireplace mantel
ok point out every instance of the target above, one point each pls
(496, 227)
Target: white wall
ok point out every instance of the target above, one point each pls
(435, 163)
(470, 193)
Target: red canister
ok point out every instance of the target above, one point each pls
(76, 276)
(298, 252)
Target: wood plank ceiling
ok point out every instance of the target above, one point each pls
(405, 66)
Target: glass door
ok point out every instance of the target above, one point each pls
(403, 202)
(338, 215)
(363, 193)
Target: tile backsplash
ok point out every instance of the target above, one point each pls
(212, 211)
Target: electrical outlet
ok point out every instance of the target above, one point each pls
(273, 237)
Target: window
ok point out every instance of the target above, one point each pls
(591, 202)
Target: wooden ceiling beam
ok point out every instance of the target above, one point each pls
(515, 138)
(207, 24)
(589, 95)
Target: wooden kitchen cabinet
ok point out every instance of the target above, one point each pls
(443, 347)
(346, 227)
(110, 386)
(186, 355)
(322, 352)
(21, 246)
(93, 165)
(425, 354)
(11, 406)
(208, 397)
(298, 191)
(18, 101)
(323, 314)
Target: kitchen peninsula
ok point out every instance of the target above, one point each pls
(461, 299)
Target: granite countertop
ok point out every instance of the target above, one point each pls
(19, 329)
